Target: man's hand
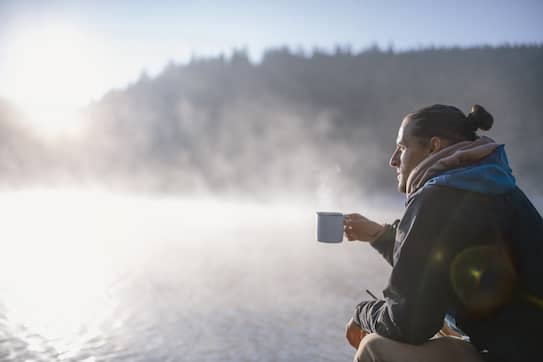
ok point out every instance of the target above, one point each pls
(354, 333)
(357, 227)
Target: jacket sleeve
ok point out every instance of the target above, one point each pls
(415, 299)
(385, 243)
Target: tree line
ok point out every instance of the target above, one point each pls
(292, 121)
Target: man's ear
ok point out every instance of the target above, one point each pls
(436, 144)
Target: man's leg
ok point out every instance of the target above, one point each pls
(375, 348)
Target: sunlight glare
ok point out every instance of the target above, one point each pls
(67, 254)
(54, 70)
(54, 275)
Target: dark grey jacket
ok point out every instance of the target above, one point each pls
(474, 256)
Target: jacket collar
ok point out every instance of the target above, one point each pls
(455, 156)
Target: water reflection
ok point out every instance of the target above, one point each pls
(54, 277)
(94, 276)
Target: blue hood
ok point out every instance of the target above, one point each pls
(491, 175)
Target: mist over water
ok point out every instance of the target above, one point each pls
(100, 276)
(95, 276)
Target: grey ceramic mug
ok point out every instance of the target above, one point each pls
(330, 227)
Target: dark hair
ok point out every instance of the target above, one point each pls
(449, 123)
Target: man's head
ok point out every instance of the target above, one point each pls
(431, 129)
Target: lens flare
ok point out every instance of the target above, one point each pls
(483, 278)
(534, 300)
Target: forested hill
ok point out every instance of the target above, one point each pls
(298, 122)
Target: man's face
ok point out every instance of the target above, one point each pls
(408, 154)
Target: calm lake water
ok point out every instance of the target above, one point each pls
(90, 276)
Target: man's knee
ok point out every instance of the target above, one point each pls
(371, 348)
(375, 348)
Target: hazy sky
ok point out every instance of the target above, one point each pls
(64, 53)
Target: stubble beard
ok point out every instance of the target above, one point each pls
(402, 185)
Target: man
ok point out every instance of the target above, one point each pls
(468, 251)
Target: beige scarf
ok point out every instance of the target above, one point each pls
(454, 156)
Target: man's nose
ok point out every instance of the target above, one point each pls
(394, 161)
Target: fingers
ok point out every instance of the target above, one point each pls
(350, 235)
(354, 334)
(348, 229)
(348, 221)
(353, 218)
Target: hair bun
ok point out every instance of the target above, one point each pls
(480, 118)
